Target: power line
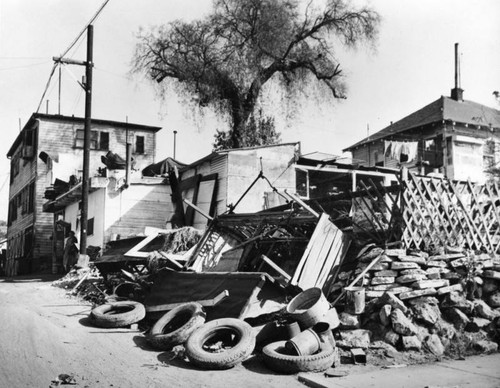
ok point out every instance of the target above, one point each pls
(23, 66)
(85, 28)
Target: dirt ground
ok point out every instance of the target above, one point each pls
(45, 333)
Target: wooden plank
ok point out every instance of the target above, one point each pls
(309, 247)
(276, 267)
(205, 303)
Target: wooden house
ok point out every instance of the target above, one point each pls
(451, 137)
(50, 147)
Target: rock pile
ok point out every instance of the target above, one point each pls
(439, 304)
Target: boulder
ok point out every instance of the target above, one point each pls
(383, 280)
(482, 323)
(410, 278)
(427, 313)
(392, 338)
(355, 338)
(415, 271)
(349, 321)
(411, 343)
(401, 324)
(445, 329)
(417, 293)
(396, 252)
(456, 316)
(397, 265)
(394, 301)
(489, 274)
(490, 286)
(380, 266)
(434, 275)
(483, 310)
(387, 272)
(486, 346)
(494, 299)
(458, 300)
(412, 259)
(446, 290)
(436, 263)
(434, 345)
(437, 283)
(385, 314)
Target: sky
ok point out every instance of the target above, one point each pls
(412, 65)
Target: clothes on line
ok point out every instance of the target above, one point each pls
(402, 151)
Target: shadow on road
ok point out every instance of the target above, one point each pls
(32, 278)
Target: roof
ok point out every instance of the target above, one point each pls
(116, 124)
(162, 167)
(215, 154)
(443, 109)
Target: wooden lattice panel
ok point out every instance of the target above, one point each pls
(438, 213)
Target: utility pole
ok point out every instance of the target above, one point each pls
(175, 135)
(87, 87)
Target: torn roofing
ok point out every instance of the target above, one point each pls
(443, 109)
(115, 124)
(162, 167)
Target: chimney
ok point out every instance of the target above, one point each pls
(457, 93)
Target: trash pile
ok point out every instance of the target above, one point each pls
(444, 304)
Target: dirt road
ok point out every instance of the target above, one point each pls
(44, 333)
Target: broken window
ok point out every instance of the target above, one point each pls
(139, 144)
(104, 141)
(489, 154)
(80, 138)
(90, 226)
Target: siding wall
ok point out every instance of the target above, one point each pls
(244, 167)
(56, 137)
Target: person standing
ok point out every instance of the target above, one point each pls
(70, 257)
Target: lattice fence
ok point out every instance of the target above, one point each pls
(439, 212)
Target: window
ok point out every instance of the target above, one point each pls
(80, 139)
(104, 141)
(14, 167)
(379, 158)
(489, 154)
(139, 144)
(90, 226)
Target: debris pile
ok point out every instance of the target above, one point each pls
(444, 304)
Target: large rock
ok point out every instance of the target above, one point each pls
(414, 271)
(412, 259)
(445, 329)
(383, 280)
(387, 272)
(392, 338)
(426, 313)
(486, 346)
(457, 300)
(349, 321)
(494, 299)
(394, 301)
(417, 293)
(397, 265)
(434, 345)
(492, 274)
(411, 342)
(490, 286)
(447, 290)
(483, 310)
(457, 317)
(437, 263)
(436, 283)
(385, 314)
(355, 338)
(410, 278)
(401, 324)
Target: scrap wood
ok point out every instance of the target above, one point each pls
(374, 261)
(276, 267)
(187, 202)
(172, 260)
(303, 204)
(205, 303)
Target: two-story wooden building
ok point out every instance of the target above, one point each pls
(456, 138)
(50, 147)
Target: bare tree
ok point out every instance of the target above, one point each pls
(224, 60)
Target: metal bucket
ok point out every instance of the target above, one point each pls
(305, 343)
(309, 307)
(354, 300)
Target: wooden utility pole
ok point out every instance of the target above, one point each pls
(87, 86)
(86, 140)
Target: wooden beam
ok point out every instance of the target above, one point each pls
(205, 303)
(276, 267)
